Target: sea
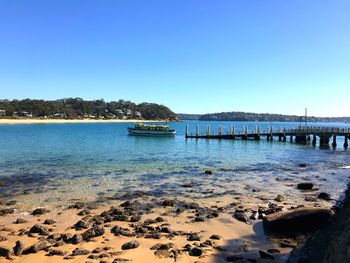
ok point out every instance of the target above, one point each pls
(55, 164)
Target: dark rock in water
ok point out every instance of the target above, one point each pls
(302, 165)
(18, 248)
(41, 230)
(49, 222)
(273, 251)
(299, 220)
(6, 211)
(20, 221)
(215, 237)
(81, 224)
(196, 252)
(305, 186)
(40, 211)
(234, 258)
(193, 237)
(80, 252)
(76, 239)
(288, 243)
(266, 255)
(279, 198)
(324, 196)
(240, 216)
(5, 252)
(41, 245)
(93, 232)
(188, 185)
(168, 202)
(208, 172)
(130, 245)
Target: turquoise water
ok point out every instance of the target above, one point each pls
(42, 163)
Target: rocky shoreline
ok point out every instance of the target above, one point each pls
(140, 227)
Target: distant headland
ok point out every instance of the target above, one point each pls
(79, 109)
(262, 117)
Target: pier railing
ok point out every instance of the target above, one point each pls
(301, 133)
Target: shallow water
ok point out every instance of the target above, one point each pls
(42, 164)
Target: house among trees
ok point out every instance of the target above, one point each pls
(2, 112)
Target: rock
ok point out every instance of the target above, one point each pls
(135, 218)
(303, 165)
(5, 252)
(208, 172)
(193, 237)
(279, 198)
(77, 205)
(41, 230)
(303, 219)
(76, 239)
(196, 252)
(20, 221)
(56, 252)
(160, 246)
(254, 216)
(49, 222)
(273, 251)
(126, 204)
(199, 219)
(187, 185)
(18, 248)
(240, 216)
(6, 211)
(130, 245)
(3, 238)
(81, 224)
(305, 186)
(162, 253)
(40, 211)
(215, 237)
(266, 255)
(310, 199)
(93, 232)
(168, 202)
(84, 212)
(153, 234)
(234, 258)
(41, 245)
(80, 252)
(324, 196)
(10, 203)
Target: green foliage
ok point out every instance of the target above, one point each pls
(72, 108)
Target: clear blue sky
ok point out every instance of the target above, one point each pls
(195, 56)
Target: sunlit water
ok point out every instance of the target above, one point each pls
(56, 163)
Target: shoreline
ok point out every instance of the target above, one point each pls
(48, 121)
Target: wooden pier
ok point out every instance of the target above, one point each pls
(301, 135)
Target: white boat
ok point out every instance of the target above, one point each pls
(141, 129)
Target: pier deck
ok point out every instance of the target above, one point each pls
(299, 135)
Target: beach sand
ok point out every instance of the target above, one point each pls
(176, 226)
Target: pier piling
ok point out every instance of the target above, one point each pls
(346, 144)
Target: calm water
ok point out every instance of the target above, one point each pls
(43, 163)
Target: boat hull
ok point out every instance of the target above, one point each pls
(150, 133)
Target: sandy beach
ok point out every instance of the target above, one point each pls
(189, 232)
(48, 121)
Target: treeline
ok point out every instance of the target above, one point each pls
(263, 117)
(72, 108)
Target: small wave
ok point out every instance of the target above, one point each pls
(345, 167)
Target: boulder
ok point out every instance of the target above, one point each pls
(130, 245)
(18, 248)
(305, 186)
(324, 196)
(41, 230)
(41, 245)
(299, 220)
(93, 232)
(40, 211)
(196, 252)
